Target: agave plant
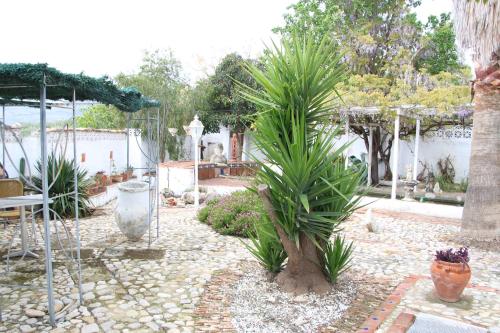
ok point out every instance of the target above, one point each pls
(306, 187)
(64, 202)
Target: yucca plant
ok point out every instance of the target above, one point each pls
(266, 247)
(338, 255)
(306, 188)
(63, 202)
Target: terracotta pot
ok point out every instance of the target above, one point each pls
(116, 178)
(450, 279)
(92, 190)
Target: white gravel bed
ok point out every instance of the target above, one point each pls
(258, 305)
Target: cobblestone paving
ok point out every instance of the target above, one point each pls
(129, 287)
(405, 246)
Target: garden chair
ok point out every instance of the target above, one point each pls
(14, 188)
(10, 188)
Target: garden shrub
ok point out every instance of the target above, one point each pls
(337, 256)
(63, 186)
(448, 186)
(234, 214)
(266, 246)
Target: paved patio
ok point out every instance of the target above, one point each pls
(129, 287)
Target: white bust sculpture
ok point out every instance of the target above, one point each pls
(218, 156)
(437, 188)
(409, 173)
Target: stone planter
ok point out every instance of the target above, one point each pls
(131, 213)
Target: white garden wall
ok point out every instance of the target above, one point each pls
(454, 141)
(436, 146)
(96, 145)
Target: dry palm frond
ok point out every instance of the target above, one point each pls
(477, 26)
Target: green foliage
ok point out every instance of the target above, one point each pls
(204, 212)
(439, 52)
(463, 185)
(22, 168)
(266, 246)
(443, 91)
(234, 214)
(448, 186)
(446, 176)
(393, 58)
(160, 76)
(25, 80)
(371, 34)
(311, 190)
(337, 256)
(224, 105)
(102, 116)
(446, 169)
(63, 185)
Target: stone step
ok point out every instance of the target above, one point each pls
(427, 323)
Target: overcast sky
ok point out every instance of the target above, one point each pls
(105, 37)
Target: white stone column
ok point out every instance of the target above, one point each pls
(347, 140)
(395, 157)
(370, 151)
(415, 157)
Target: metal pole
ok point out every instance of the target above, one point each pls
(3, 136)
(77, 222)
(128, 140)
(370, 152)
(158, 173)
(415, 157)
(45, 195)
(148, 163)
(347, 141)
(395, 157)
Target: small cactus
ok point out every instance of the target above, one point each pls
(22, 168)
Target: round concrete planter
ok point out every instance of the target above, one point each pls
(131, 212)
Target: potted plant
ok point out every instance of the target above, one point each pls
(101, 179)
(93, 188)
(450, 273)
(116, 178)
(130, 172)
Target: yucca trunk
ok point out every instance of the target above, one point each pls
(481, 215)
(303, 272)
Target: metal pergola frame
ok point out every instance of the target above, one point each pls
(401, 111)
(24, 84)
(152, 156)
(45, 190)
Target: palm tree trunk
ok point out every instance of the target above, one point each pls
(481, 215)
(303, 272)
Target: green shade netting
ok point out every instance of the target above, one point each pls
(23, 81)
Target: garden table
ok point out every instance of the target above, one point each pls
(21, 202)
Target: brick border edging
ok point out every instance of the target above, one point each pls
(402, 323)
(374, 321)
(212, 312)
